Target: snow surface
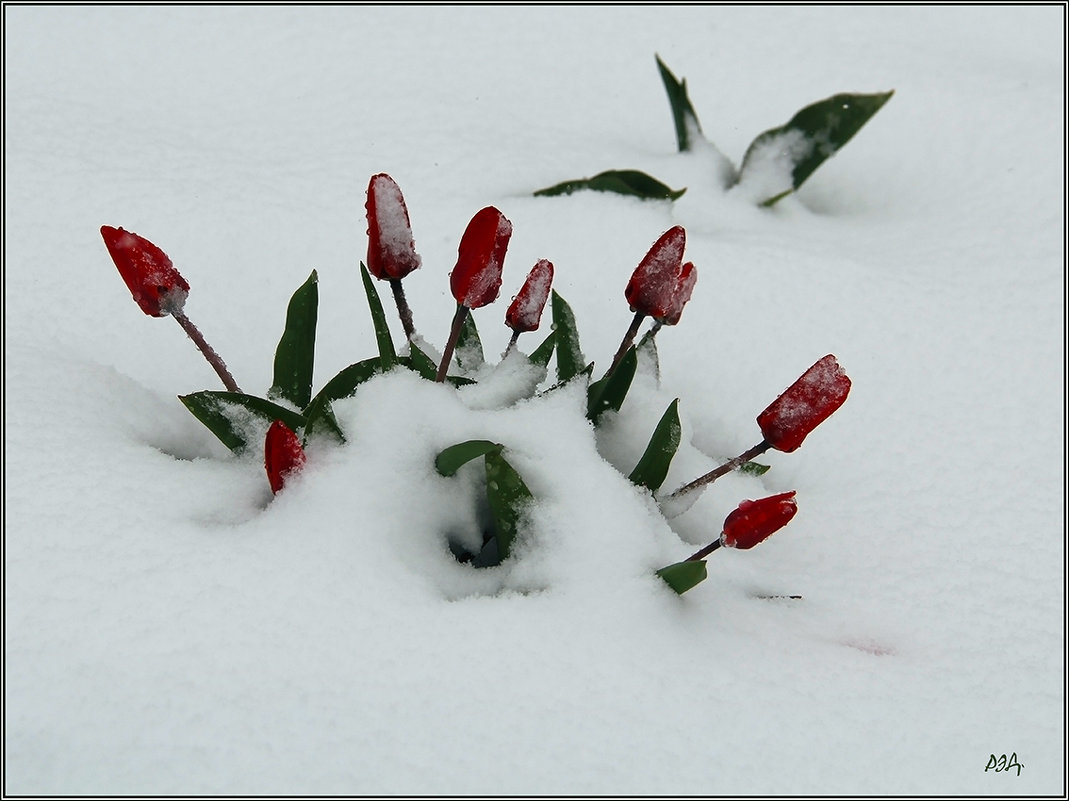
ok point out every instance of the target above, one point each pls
(170, 629)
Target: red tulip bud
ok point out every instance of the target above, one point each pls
(656, 279)
(688, 277)
(391, 252)
(283, 454)
(804, 405)
(153, 281)
(525, 313)
(476, 279)
(756, 521)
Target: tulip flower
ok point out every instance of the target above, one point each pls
(283, 455)
(654, 285)
(156, 285)
(391, 252)
(789, 419)
(805, 404)
(753, 522)
(476, 278)
(158, 288)
(525, 313)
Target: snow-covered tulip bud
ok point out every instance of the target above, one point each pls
(756, 521)
(688, 277)
(283, 454)
(804, 405)
(156, 285)
(655, 281)
(525, 313)
(476, 279)
(391, 251)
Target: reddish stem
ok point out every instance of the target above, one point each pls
(704, 552)
(454, 335)
(724, 469)
(512, 342)
(403, 309)
(628, 339)
(214, 359)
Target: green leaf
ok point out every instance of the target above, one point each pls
(378, 318)
(456, 456)
(754, 469)
(295, 354)
(652, 468)
(343, 385)
(570, 361)
(228, 414)
(508, 497)
(543, 352)
(788, 155)
(683, 113)
(469, 348)
(622, 182)
(608, 393)
(420, 362)
(683, 575)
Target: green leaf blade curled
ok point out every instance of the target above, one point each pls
(387, 352)
(420, 362)
(608, 393)
(683, 576)
(633, 183)
(652, 468)
(295, 354)
(542, 354)
(469, 348)
(788, 155)
(456, 456)
(683, 114)
(344, 385)
(509, 499)
(570, 361)
(227, 414)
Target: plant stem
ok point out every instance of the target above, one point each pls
(403, 309)
(629, 338)
(724, 469)
(512, 343)
(214, 359)
(454, 335)
(704, 552)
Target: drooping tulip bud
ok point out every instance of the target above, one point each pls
(804, 405)
(283, 455)
(476, 279)
(656, 279)
(755, 521)
(156, 285)
(391, 251)
(688, 277)
(525, 313)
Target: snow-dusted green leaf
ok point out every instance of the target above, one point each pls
(781, 159)
(295, 354)
(570, 361)
(682, 576)
(683, 114)
(227, 415)
(652, 468)
(456, 456)
(387, 353)
(623, 182)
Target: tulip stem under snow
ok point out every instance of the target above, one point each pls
(628, 339)
(403, 309)
(704, 552)
(724, 469)
(454, 335)
(512, 343)
(214, 359)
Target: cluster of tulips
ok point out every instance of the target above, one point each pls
(658, 289)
